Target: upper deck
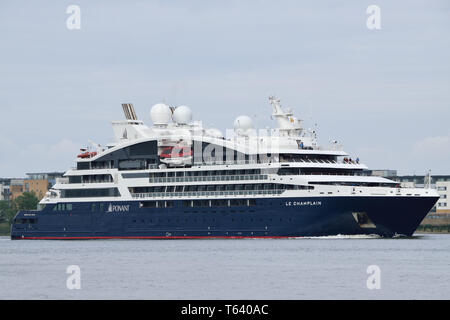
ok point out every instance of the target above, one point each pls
(178, 154)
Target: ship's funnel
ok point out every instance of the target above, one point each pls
(128, 110)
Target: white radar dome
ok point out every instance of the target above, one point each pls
(243, 125)
(182, 115)
(160, 114)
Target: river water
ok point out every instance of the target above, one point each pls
(301, 268)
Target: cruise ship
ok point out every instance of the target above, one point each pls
(177, 179)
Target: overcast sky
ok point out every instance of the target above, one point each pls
(384, 94)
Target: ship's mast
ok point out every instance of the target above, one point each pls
(287, 123)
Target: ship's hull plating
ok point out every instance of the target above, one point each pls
(271, 218)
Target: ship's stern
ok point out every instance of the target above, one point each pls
(24, 224)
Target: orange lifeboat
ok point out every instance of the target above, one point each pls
(87, 154)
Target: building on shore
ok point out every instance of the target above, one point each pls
(4, 191)
(443, 188)
(37, 183)
(385, 173)
(15, 188)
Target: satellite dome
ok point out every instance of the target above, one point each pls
(182, 115)
(243, 123)
(160, 114)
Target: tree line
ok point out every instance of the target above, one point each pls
(8, 209)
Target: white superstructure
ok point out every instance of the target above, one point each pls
(191, 162)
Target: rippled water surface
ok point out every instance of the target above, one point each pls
(304, 268)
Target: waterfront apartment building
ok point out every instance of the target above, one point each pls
(4, 191)
(37, 186)
(443, 188)
(37, 183)
(385, 173)
(15, 188)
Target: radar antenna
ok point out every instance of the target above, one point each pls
(286, 121)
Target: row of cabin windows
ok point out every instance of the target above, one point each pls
(200, 203)
(128, 164)
(90, 193)
(204, 173)
(95, 178)
(219, 187)
(25, 221)
(102, 164)
(69, 207)
(210, 220)
(63, 207)
(156, 204)
(220, 203)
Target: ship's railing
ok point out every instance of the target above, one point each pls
(86, 181)
(326, 174)
(206, 193)
(231, 162)
(325, 161)
(281, 160)
(208, 178)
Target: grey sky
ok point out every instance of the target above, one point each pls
(385, 94)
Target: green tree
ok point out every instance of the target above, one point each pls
(6, 212)
(26, 201)
(8, 209)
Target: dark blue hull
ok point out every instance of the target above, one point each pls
(272, 218)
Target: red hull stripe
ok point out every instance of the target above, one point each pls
(161, 237)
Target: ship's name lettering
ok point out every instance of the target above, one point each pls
(119, 208)
(303, 203)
